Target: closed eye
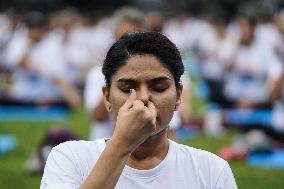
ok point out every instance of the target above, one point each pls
(126, 87)
(159, 87)
(125, 84)
(126, 90)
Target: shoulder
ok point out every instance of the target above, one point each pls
(80, 145)
(197, 154)
(75, 156)
(79, 150)
(207, 168)
(71, 162)
(205, 162)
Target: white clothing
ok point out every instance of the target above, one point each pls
(69, 164)
(255, 69)
(101, 129)
(93, 88)
(92, 96)
(189, 34)
(46, 57)
(219, 57)
(268, 35)
(173, 29)
(15, 48)
(5, 30)
(45, 61)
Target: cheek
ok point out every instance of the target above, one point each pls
(165, 106)
(116, 102)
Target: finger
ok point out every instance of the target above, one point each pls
(152, 109)
(129, 102)
(138, 104)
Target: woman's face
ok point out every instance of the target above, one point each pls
(151, 81)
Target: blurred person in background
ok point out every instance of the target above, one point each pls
(13, 33)
(254, 84)
(39, 77)
(80, 43)
(254, 72)
(216, 60)
(276, 131)
(12, 38)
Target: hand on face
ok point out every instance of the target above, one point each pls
(135, 122)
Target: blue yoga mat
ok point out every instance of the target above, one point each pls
(7, 143)
(32, 113)
(186, 132)
(248, 117)
(274, 160)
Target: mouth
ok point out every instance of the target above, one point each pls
(158, 125)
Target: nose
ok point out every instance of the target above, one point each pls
(144, 95)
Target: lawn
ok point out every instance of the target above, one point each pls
(29, 135)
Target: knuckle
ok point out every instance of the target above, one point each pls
(139, 109)
(148, 117)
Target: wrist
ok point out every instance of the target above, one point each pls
(121, 147)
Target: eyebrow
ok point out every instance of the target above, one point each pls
(130, 80)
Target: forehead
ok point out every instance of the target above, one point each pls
(142, 67)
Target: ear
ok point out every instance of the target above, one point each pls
(179, 92)
(105, 91)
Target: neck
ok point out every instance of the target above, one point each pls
(150, 153)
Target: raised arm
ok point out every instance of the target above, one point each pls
(135, 123)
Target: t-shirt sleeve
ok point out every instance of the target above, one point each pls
(60, 171)
(226, 179)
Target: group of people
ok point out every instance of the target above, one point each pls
(57, 59)
(131, 71)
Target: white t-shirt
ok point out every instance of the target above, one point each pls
(254, 71)
(69, 164)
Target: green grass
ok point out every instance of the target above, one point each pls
(29, 135)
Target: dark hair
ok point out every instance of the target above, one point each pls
(141, 43)
(36, 19)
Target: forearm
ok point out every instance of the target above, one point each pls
(108, 168)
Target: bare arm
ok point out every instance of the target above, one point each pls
(276, 90)
(108, 168)
(70, 93)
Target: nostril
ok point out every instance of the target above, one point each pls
(145, 101)
(146, 104)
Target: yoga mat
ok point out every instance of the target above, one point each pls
(33, 113)
(248, 117)
(186, 132)
(7, 143)
(274, 160)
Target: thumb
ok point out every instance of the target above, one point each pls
(129, 102)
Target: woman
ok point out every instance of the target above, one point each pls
(142, 73)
